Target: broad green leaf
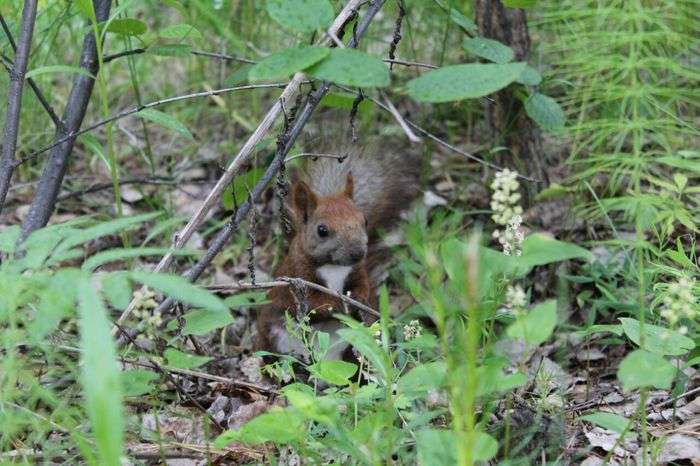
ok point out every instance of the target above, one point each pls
(422, 378)
(246, 299)
(58, 69)
(104, 229)
(277, 425)
(318, 408)
(180, 289)
(203, 321)
(100, 375)
(170, 50)
(492, 379)
(546, 112)
(57, 302)
(552, 192)
(490, 49)
(180, 32)
(462, 21)
(116, 254)
(346, 101)
(519, 3)
(127, 26)
(85, 8)
(537, 325)
(240, 188)
(364, 342)
(539, 249)
(301, 15)
(644, 369)
(657, 339)
(459, 82)
(529, 77)
(287, 62)
(165, 120)
(439, 447)
(238, 77)
(117, 289)
(333, 372)
(601, 328)
(182, 360)
(610, 421)
(138, 382)
(351, 68)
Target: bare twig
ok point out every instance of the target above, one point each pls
(410, 63)
(442, 142)
(39, 95)
(399, 118)
(47, 191)
(130, 111)
(139, 51)
(14, 99)
(315, 155)
(99, 187)
(288, 281)
(284, 146)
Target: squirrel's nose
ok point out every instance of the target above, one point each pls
(357, 254)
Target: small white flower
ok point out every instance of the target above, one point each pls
(516, 297)
(412, 330)
(679, 302)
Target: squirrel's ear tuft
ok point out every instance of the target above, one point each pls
(304, 200)
(349, 186)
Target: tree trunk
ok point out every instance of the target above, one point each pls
(508, 124)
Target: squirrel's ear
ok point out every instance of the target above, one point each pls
(349, 186)
(304, 200)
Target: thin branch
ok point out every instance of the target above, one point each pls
(99, 187)
(339, 158)
(285, 144)
(288, 281)
(14, 99)
(55, 168)
(130, 111)
(201, 53)
(442, 142)
(39, 95)
(399, 118)
(411, 63)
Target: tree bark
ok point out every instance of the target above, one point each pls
(14, 100)
(44, 201)
(508, 124)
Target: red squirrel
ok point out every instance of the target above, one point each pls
(338, 209)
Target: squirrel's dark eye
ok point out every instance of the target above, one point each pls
(322, 231)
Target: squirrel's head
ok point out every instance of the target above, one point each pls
(331, 229)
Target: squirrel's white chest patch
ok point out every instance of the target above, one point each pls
(334, 276)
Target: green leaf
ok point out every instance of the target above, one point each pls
(203, 321)
(57, 302)
(601, 328)
(238, 77)
(117, 289)
(165, 120)
(170, 50)
(459, 82)
(351, 67)
(127, 26)
(422, 379)
(138, 382)
(529, 77)
(103, 229)
(644, 369)
(287, 62)
(277, 425)
(539, 249)
(439, 447)
(180, 289)
(8, 238)
(182, 360)
(301, 15)
(552, 192)
(85, 8)
(610, 421)
(318, 408)
(361, 338)
(240, 187)
(489, 49)
(116, 254)
(657, 339)
(519, 3)
(333, 372)
(462, 21)
(546, 112)
(180, 32)
(537, 325)
(58, 69)
(100, 377)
